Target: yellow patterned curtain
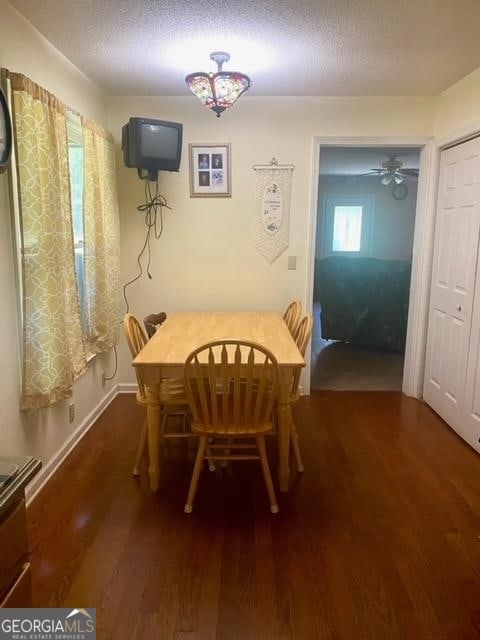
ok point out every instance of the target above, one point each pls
(53, 345)
(102, 239)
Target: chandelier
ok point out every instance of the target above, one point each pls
(218, 91)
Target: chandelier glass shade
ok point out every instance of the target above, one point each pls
(218, 91)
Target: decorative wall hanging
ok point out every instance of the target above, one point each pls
(273, 208)
(210, 170)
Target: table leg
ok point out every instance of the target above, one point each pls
(284, 421)
(153, 422)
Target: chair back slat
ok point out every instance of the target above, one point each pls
(203, 404)
(212, 388)
(292, 315)
(260, 398)
(231, 385)
(225, 384)
(236, 384)
(249, 382)
(136, 340)
(302, 337)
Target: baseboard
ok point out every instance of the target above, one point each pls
(127, 387)
(52, 465)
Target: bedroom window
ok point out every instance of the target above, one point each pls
(347, 225)
(347, 228)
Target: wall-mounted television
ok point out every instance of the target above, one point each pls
(152, 145)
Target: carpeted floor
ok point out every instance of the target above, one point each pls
(341, 366)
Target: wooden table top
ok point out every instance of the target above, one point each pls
(181, 333)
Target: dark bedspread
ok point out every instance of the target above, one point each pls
(364, 300)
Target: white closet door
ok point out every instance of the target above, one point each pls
(469, 426)
(453, 281)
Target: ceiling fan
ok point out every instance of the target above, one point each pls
(391, 171)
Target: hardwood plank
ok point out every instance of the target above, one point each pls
(378, 538)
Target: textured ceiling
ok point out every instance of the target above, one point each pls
(303, 47)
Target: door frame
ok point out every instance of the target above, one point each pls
(422, 255)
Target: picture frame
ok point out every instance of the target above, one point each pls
(210, 170)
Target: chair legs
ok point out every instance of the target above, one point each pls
(202, 445)
(224, 463)
(211, 463)
(142, 443)
(296, 447)
(266, 474)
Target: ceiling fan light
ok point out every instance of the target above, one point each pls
(398, 178)
(386, 179)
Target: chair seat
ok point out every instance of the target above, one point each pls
(232, 429)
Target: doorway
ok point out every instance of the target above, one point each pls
(366, 208)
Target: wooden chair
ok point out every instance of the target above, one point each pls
(173, 399)
(153, 321)
(231, 386)
(292, 315)
(302, 337)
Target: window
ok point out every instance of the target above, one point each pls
(347, 228)
(75, 160)
(347, 225)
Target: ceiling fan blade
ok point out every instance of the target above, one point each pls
(374, 172)
(411, 172)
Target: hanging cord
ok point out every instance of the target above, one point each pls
(153, 209)
(116, 366)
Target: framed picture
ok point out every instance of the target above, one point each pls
(210, 170)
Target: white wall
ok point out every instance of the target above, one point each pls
(393, 220)
(458, 108)
(206, 258)
(43, 433)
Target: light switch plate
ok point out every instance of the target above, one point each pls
(292, 263)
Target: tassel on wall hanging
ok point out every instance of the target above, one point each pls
(272, 230)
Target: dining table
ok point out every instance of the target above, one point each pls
(164, 356)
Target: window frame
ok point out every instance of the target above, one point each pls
(330, 201)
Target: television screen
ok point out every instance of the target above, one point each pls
(154, 145)
(159, 140)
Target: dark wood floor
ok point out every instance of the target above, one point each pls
(379, 539)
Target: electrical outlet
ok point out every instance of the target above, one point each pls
(71, 412)
(104, 379)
